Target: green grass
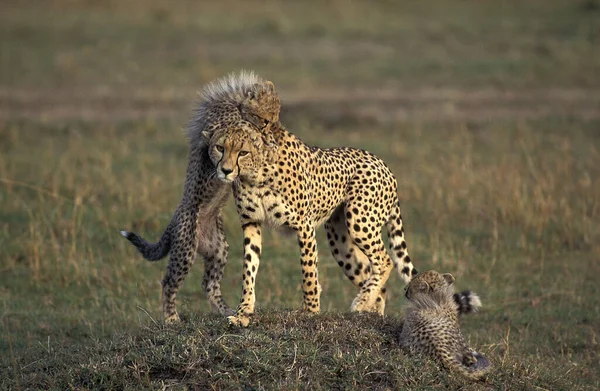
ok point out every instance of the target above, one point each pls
(487, 112)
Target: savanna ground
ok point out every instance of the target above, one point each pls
(487, 112)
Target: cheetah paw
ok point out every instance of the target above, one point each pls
(239, 320)
(361, 305)
(172, 319)
(311, 309)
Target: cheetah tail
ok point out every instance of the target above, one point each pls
(150, 251)
(468, 302)
(398, 246)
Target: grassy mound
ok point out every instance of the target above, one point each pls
(281, 350)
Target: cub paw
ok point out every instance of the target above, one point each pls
(482, 362)
(470, 359)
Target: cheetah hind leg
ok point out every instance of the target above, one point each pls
(354, 263)
(213, 247)
(170, 286)
(373, 291)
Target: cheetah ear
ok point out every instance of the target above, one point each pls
(422, 286)
(206, 135)
(427, 287)
(449, 278)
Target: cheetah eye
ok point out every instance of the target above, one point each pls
(220, 148)
(243, 153)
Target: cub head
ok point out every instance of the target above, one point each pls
(428, 282)
(238, 123)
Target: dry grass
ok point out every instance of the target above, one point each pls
(284, 350)
(487, 113)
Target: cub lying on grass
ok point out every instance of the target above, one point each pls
(431, 323)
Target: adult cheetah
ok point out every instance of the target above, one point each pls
(431, 323)
(197, 224)
(279, 180)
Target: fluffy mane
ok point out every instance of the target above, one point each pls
(231, 88)
(241, 94)
(439, 298)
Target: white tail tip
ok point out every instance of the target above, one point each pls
(475, 301)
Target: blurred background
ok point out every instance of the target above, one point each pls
(488, 112)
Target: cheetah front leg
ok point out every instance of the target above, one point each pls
(309, 260)
(252, 248)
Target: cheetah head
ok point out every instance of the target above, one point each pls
(239, 132)
(428, 282)
(237, 152)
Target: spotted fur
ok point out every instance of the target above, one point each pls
(197, 224)
(280, 181)
(431, 323)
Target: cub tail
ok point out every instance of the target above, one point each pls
(150, 251)
(468, 302)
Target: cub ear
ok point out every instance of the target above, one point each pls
(206, 135)
(449, 278)
(271, 101)
(421, 286)
(261, 90)
(269, 87)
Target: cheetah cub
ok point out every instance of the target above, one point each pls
(431, 323)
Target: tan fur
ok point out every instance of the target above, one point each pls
(431, 325)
